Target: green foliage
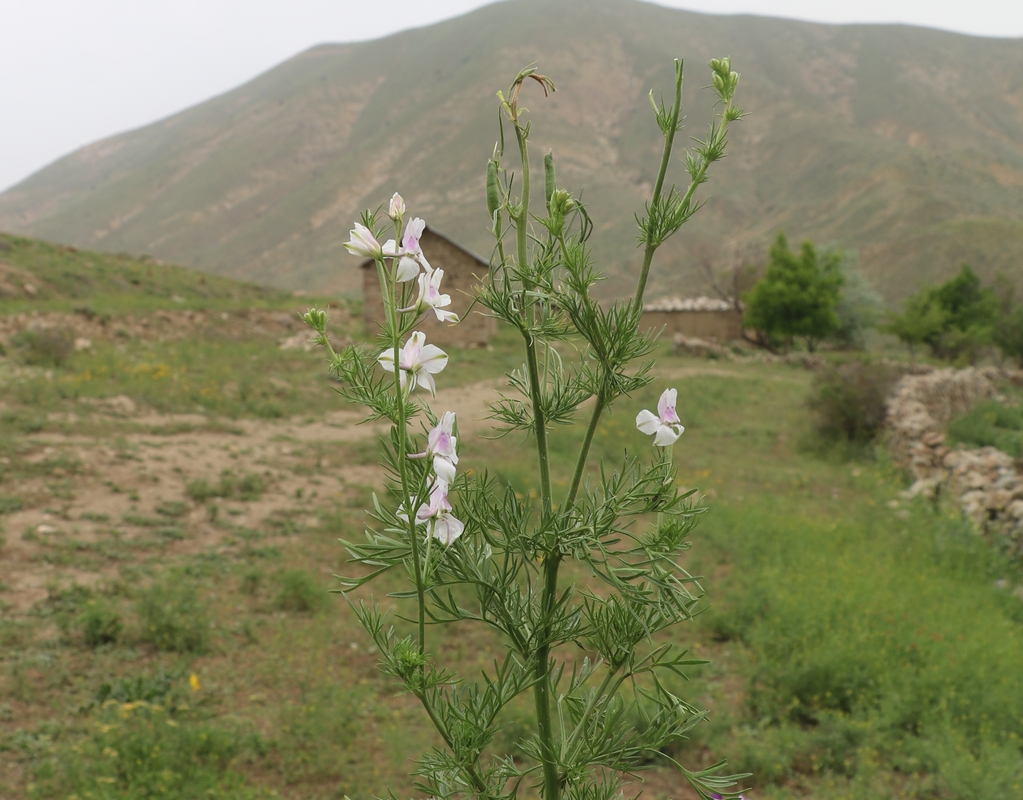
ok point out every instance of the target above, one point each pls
(1008, 334)
(44, 347)
(248, 487)
(173, 617)
(100, 623)
(858, 308)
(874, 644)
(848, 401)
(9, 504)
(956, 319)
(596, 720)
(990, 424)
(797, 296)
(142, 748)
(65, 278)
(299, 592)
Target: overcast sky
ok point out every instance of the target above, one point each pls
(74, 71)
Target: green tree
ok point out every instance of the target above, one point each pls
(1008, 334)
(859, 305)
(956, 319)
(797, 296)
(922, 321)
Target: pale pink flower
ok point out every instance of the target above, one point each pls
(417, 362)
(665, 427)
(413, 233)
(440, 444)
(363, 243)
(430, 298)
(410, 254)
(441, 524)
(396, 209)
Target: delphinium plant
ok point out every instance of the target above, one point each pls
(476, 551)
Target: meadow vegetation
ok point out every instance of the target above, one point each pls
(860, 645)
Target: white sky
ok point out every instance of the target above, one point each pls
(74, 71)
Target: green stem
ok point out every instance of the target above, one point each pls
(390, 300)
(541, 689)
(584, 451)
(669, 140)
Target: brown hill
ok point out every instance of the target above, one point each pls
(903, 143)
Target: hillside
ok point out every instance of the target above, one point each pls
(40, 275)
(905, 144)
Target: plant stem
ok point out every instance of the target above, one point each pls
(669, 139)
(390, 300)
(584, 450)
(541, 689)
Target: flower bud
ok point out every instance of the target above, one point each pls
(396, 210)
(549, 184)
(493, 196)
(315, 319)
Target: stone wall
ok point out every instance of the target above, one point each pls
(985, 483)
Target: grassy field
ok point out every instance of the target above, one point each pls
(167, 630)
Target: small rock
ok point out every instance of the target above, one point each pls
(1015, 509)
(45, 529)
(81, 343)
(925, 487)
(974, 481)
(997, 500)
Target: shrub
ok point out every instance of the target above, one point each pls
(849, 401)
(45, 347)
(299, 592)
(9, 504)
(249, 487)
(99, 623)
(173, 617)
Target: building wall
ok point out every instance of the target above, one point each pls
(461, 275)
(721, 326)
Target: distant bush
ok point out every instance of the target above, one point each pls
(248, 487)
(299, 592)
(172, 617)
(99, 623)
(44, 347)
(1009, 334)
(848, 401)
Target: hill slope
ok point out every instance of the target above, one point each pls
(903, 143)
(43, 276)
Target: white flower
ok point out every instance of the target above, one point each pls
(396, 210)
(410, 254)
(430, 297)
(665, 427)
(363, 243)
(413, 233)
(441, 525)
(440, 444)
(419, 360)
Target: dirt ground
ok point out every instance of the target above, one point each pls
(121, 487)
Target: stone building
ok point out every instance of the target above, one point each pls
(700, 317)
(463, 271)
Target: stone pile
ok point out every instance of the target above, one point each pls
(985, 483)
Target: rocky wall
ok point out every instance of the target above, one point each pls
(985, 483)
